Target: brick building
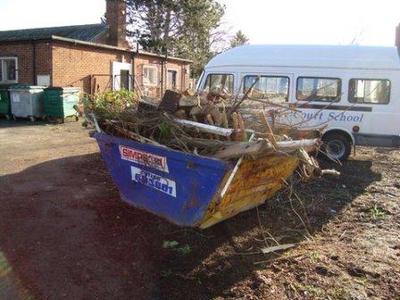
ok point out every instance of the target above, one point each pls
(94, 57)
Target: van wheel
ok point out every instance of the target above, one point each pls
(336, 146)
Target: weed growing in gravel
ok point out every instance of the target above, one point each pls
(377, 213)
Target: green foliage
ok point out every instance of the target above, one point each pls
(165, 130)
(377, 213)
(239, 39)
(185, 28)
(110, 104)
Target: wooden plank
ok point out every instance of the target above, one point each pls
(277, 248)
(263, 147)
(244, 148)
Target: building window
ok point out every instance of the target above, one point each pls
(318, 89)
(270, 88)
(221, 82)
(8, 69)
(150, 77)
(371, 91)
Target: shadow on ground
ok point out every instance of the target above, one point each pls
(20, 123)
(65, 233)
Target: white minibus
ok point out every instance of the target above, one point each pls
(352, 92)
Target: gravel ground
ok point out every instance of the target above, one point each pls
(64, 233)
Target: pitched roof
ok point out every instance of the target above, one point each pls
(86, 33)
(79, 34)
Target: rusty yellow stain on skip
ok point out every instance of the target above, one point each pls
(254, 183)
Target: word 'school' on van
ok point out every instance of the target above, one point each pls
(351, 92)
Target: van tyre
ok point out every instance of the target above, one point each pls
(336, 146)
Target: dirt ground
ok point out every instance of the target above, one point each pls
(64, 233)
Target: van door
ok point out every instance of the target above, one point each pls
(379, 125)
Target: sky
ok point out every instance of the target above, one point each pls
(339, 22)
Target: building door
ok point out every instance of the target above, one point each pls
(171, 79)
(124, 80)
(121, 76)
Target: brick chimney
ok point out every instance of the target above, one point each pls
(116, 20)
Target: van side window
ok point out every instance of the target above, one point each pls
(370, 91)
(219, 82)
(318, 89)
(270, 88)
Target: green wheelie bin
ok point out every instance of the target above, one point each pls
(60, 103)
(5, 103)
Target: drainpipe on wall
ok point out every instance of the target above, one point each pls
(133, 71)
(34, 62)
(165, 74)
(162, 79)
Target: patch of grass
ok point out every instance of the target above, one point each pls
(166, 273)
(185, 250)
(338, 293)
(174, 245)
(376, 213)
(312, 290)
(315, 257)
(170, 244)
(363, 281)
(307, 289)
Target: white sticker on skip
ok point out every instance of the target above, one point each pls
(154, 181)
(145, 159)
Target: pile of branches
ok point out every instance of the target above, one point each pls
(209, 124)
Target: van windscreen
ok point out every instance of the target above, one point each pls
(220, 82)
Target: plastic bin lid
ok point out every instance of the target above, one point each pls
(26, 87)
(67, 89)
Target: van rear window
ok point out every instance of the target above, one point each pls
(318, 89)
(370, 91)
(220, 82)
(269, 88)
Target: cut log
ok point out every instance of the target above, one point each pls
(227, 132)
(170, 101)
(189, 101)
(236, 128)
(211, 122)
(288, 146)
(242, 134)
